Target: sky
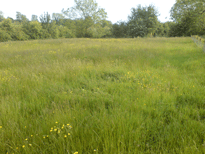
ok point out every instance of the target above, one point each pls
(117, 10)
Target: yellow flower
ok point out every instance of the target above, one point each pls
(68, 133)
(68, 124)
(59, 131)
(76, 152)
(17, 148)
(31, 135)
(51, 130)
(47, 136)
(23, 146)
(55, 130)
(56, 122)
(0, 126)
(65, 136)
(30, 144)
(44, 137)
(26, 139)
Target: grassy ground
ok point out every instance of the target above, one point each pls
(103, 96)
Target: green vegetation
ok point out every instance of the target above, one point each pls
(87, 20)
(188, 16)
(102, 96)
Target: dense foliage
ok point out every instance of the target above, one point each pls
(86, 19)
(189, 18)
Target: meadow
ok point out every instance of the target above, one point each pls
(102, 96)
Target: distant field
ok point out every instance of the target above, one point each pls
(103, 96)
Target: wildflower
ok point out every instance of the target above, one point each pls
(65, 136)
(25, 126)
(59, 131)
(23, 146)
(68, 124)
(51, 130)
(47, 136)
(76, 152)
(26, 139)
(30, 144)
(0, 126)
(31, 135)
(55, 130)
(17, 148)
(62, 127)
(44, 137)
(95, 150)
(56, 122)
(68, 133)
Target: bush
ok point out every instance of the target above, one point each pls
(4, 36)
(45, 34)
(64, 32)
(18, 33)
(11, 31)
(34, 30)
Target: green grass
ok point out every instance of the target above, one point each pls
(117, 96)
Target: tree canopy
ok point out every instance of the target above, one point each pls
(189, 16)
(85, 9)
(1, 16)
(143, 21)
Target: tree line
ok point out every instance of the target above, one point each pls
(86, 19)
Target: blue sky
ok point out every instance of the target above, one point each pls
(116, 9)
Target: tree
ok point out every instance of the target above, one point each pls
(49, 27)
(88, 17)
(85, 9)
(4, 36)
(57, 17)
(189, 16)
(34, 18)
(34, 30)
(45, 19)
(20, 17)
(64, 32)
(71, 25)
(1, 16)
(15, 31)
(120, 29)
(99, 30)
(143, 21)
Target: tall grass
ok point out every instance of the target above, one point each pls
(102, 96)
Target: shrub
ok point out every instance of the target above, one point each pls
(4, 36)
(34, 30)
